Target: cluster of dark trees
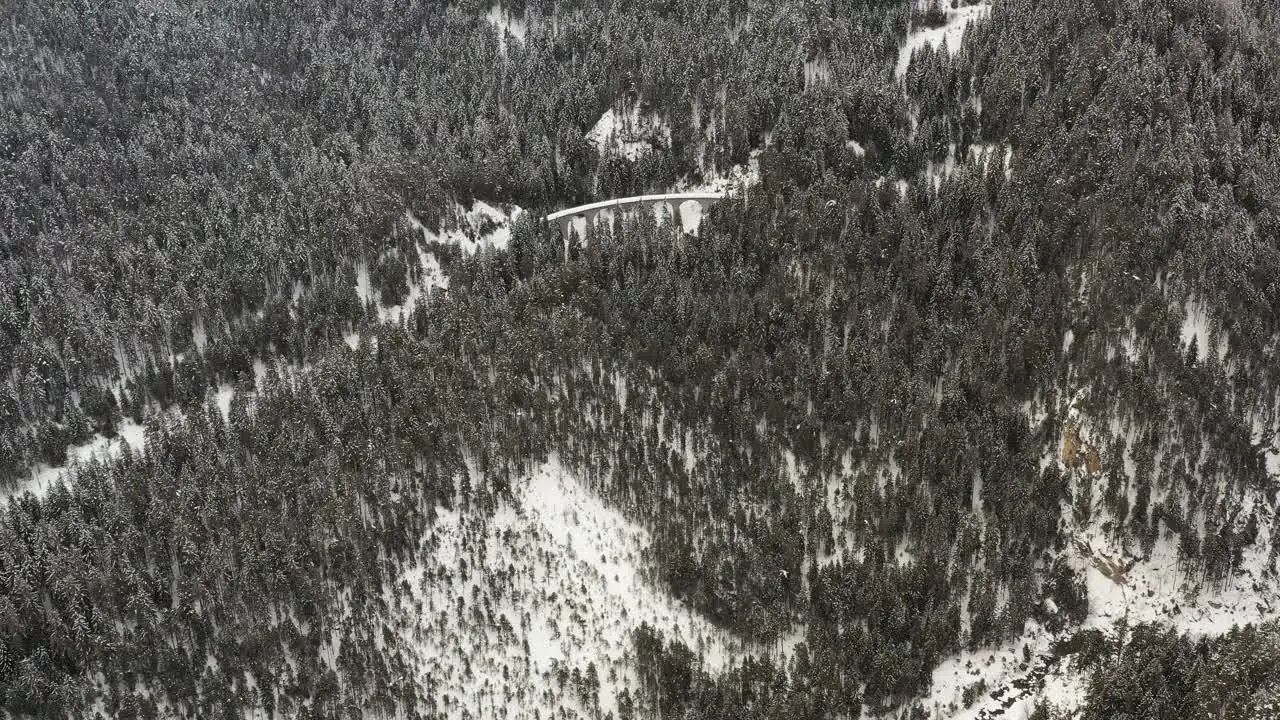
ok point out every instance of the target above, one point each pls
(1152, 672)
(673, 678)
(825, 334)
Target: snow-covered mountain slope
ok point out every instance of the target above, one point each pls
(505, 612)
(1127, 585)
(1008, 681)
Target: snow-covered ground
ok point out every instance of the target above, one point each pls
(993, 667)
(690, 217)
(482, 226)
(1125, 586)
(198, 334)
(817, 71)
(688, 212)
(1196, 326)
(978, 157)
(936, 173)
(629, 132)
(554, 580)
(739, 177)
(44, 477)
(507, 25)
(981, 154)
(432, 278)
(128, 432)
(223, 400)
(1154, 590)
(952, 32)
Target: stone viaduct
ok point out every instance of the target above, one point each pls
(591, 211)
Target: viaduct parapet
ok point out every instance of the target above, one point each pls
(591, 211)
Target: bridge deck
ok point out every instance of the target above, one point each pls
(634, 200)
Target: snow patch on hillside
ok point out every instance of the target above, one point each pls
(132, 433)
(99, 447)
(1196, 326)
(507, 25)
(362, 283)
(1156, 590)
(554, 581)
(1153, 590)
(1064, 688)
(397, 314)
(198, 334)
(1126, 586)
(989, 668)
(223, 400)
(480, 227)
(817, 72)
(935, 173)
(981, 154)
(1152, 587)
(978, 157)
(739, 178)
(430, 279)
(629, 132)
(952, 32)
(690, 217)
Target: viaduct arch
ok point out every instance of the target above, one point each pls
(591, 211)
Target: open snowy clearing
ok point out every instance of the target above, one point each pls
(44, 477)
(952, 32)
(1197, 327)
(1154, 591)
(223, 400)
(629, 132)
(739, 177)
(508, 26)
(482, 226)
(1157, 590)
(498, 607)
(995, 667)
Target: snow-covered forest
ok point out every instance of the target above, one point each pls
(966, 406)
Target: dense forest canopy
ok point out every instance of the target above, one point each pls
(895, 401)
(189, 163)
